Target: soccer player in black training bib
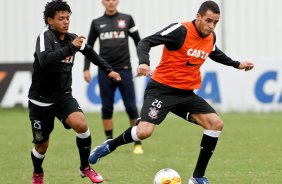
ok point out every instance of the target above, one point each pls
(50, 94)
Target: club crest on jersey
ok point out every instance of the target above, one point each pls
(153, 114)
(121, 23)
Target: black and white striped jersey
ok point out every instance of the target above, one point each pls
(113, 32)
(52, 67)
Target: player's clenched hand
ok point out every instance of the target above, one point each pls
(143, 69)
(78, 41)
(115, 76)
(246, 65)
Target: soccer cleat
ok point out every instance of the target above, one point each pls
(99, 152)
(37, 178)
(91, 174)
(202, 180)
(138, 149)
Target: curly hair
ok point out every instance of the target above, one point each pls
(52, 7)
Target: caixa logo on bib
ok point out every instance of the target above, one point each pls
(267, 88)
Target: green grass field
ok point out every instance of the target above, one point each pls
(249, 151)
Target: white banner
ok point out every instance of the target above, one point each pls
(225, 88)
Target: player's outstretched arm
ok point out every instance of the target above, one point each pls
(246, 65)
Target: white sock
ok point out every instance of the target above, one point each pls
(134, 133)
(83, 135)
(36, 154)
(212, 133)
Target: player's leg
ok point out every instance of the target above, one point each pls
(138, 148)
(213, 126)
(126, 87)
(108, 126)
(42, 124)
(209, 121)
(155, 108)
(37, 155)
(70, 113)
(136, 133)
(107, 93)
(37, 158)
(198, 111)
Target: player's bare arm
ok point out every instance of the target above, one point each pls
(246, 65)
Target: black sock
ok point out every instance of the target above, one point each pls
(109, 134)
(84, 146)
(137, 143)
(208, 144)
(37, 164)
(124, 138)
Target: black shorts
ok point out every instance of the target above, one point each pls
(42, 118)
(159, 100)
